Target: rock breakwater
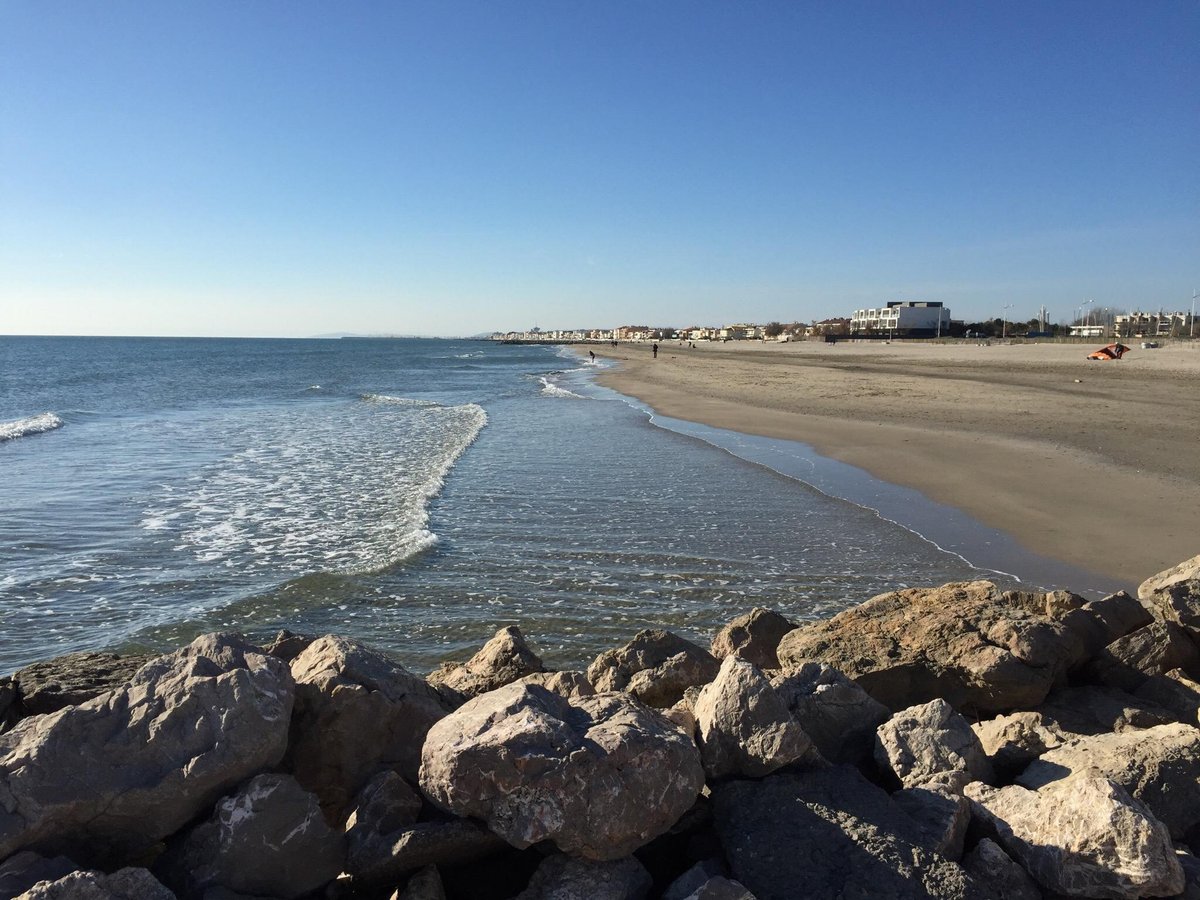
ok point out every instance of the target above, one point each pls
(951, 742)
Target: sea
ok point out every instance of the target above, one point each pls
(419, 494)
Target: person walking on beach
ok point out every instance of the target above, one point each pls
(592, 354)
(654, 350)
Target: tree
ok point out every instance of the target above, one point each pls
(773, 329)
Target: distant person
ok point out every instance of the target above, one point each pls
(654, 350)
(592, 354)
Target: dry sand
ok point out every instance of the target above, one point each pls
(1096, 464)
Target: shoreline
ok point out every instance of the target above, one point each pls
(1090, 464)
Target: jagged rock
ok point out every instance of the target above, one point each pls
(383, 858)
(829, 833)
(1100, 622)
(426, 884)
(745, 728)
(566, 684)
(1173, 691)
(1014, 741)
(504, 659)
(23, 870)
(1159, 766)
(1191, 876)
(991, 865)
(1153, 650)
(8, 703)
(562, 877)
(683, 714)
(979, 648)
(931, 744)
(943, 817)
(55, 684)
(656, 667)
(287, 645)
(753, 637)
(600, 776)
(384, 806)
(720, 888)
(268, 839)
(838, 715)
(695, 878)
(1098, 710)
(1174, 595)
(152, 754)
(126, 884)
(1083, 836)
(357, 712)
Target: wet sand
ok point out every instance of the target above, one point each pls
(1096, 464)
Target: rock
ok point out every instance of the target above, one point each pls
(656, 667)
(383, 858)
(1191, 876)
(287, 645)
(566, 684)
(753, 637)
(943, 817)
(838, 715)
(8, 704)
(991, 865)
(357, 712)
(931, 744)
(1083, 836)
(23, 870)
(1174, 595)
(1099, 710)
(695, 878)
(384, 806)
(153, 753)
(720, 888)
(1159, 766)
(1175, 692)
(566, 878)
(600, 776)
(268, 839)
(1153, 650)
(426, 884)
(502, 660)
(829, 833)
(745, 728)
(1014, 741)
(979, 648)
(126, 884)
(1100, 622)
(69, 680)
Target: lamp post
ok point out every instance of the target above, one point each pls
(1192, 330)
(1004, 323)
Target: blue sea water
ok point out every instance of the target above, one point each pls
(416, 494)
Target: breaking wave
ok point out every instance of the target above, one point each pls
(550, 389)
(38, 424)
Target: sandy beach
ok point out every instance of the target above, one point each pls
(1096, 464)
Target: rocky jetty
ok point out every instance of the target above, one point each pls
(951, 742)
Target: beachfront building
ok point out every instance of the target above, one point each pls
(906, 318)
(1151, 324)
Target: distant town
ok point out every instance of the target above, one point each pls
(896, 319)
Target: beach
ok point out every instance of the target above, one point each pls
(1096, 464)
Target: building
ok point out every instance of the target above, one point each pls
(1151, 324)
(908, 318)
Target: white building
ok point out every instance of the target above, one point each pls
(903, 317)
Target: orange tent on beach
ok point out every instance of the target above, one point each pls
(1112, 351)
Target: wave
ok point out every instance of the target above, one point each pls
(550, 389)
(398, 401)
(38, 424)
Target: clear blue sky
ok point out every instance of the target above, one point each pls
(272, 168)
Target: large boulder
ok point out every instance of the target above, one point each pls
(118, 773)
(991, 865)
(357, 712)
(1092, 709)
(504, 659)
(384, 806)
(979, 648)
(267, 839)
(656, 667)
(1153, 650)
(567, 684)
(745, 728)
(931, 745)
(754, 637)
(1174, 691)
(1159, 766)
(941, 814)
(562, 877)
(829, 833)
(381, 857)
(125, 884)
(1014, 741)
(1174, 595)
(23, 870)
(49, 686)
(600, 776)
(1082, 837)
(834, 711)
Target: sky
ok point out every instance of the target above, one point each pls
(451, 168)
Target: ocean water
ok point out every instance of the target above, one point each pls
(415, 494)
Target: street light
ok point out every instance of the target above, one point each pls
(1004, 323)
(1192, 331)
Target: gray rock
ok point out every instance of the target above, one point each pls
(695, 878)
(268, 839)
(383, 807)
(1098, 710)
(835, 712)
(720, 888)
(23, 870)
(426, 884)
(656, 667)
(357, 712)
(287, 645)
(745, 728)
(126, 884)
(562, 877)
(1153, 650)
(566, 684)
(931, 744)
(1100, 622)
(1174, 595)
(8, 704)
(1191, 876)
(55, 684)
(1014, 741)
(991, 865)
(152, 754)
(754, 637)
(506, 658)
(979, 648)
(1173, 691)
(942, 815)
(600, 776)
(1083, 836)
(829, 833)
(1159, 766)
(384, 858)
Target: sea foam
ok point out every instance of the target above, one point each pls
(550, 389)
(38, 424)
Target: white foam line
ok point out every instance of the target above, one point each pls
(38, 424)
